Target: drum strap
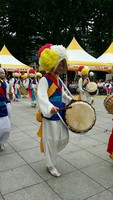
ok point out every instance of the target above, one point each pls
(84, 82)
(54, 80)
(65, 87)
(62, 120)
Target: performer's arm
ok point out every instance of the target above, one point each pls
(44, 104)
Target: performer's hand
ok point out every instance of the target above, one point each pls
(54, 110)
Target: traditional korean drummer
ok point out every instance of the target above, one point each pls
(51, 97)
(82, 83)
(87, 88)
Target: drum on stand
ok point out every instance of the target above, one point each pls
(91, 88)
(108, 103)
(80, 117)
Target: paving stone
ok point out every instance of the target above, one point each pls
(24, 144)
(84, 141)
(106, 195)
(1, 197)
(10, 161)
(38, 192)
(18, 178)
(32, 155)
(62, 166)
(75, 186)
(101, 173)
(81, 159)
(85, 167)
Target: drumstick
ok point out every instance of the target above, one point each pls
(65, 86)
(65, 108)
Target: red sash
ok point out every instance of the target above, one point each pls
(54, 80)
(2, 92)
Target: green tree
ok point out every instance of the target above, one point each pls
(25, 25)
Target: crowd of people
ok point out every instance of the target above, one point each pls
(21, 84)
(11, 89)
(104, 87)
(49, 93)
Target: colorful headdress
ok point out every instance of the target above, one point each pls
(39, 74)
(84, 71)
(16, 73)
(51, 55)
(24, 75)
(2, 70)
(79, 70)
(31, 72)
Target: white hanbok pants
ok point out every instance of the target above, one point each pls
(55, 136)
(85, 96)
(5, 129)
(9, 109)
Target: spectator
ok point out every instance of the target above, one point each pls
(100, 85)
(73, 87)
(108, 87)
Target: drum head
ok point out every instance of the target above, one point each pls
(81, 117)
(108, 103)
(91, 88)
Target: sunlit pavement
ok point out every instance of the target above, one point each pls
(87, 170)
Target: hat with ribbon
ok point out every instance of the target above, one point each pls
(38, 74)
(2, 71)
(16, 73)
(51, 55)
(24, 75)
(31, 73)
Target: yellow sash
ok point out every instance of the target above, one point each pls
(39, 118)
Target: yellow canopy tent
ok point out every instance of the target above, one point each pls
(9, 62)
(77, 56)
(107, 56)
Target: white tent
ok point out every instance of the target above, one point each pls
(77, 56)
(107, 56)
(9, 62)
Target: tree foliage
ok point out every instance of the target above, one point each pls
(25, 25)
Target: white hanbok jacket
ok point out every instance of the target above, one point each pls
(55, 134)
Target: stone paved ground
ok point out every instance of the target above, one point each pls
(87, 171)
